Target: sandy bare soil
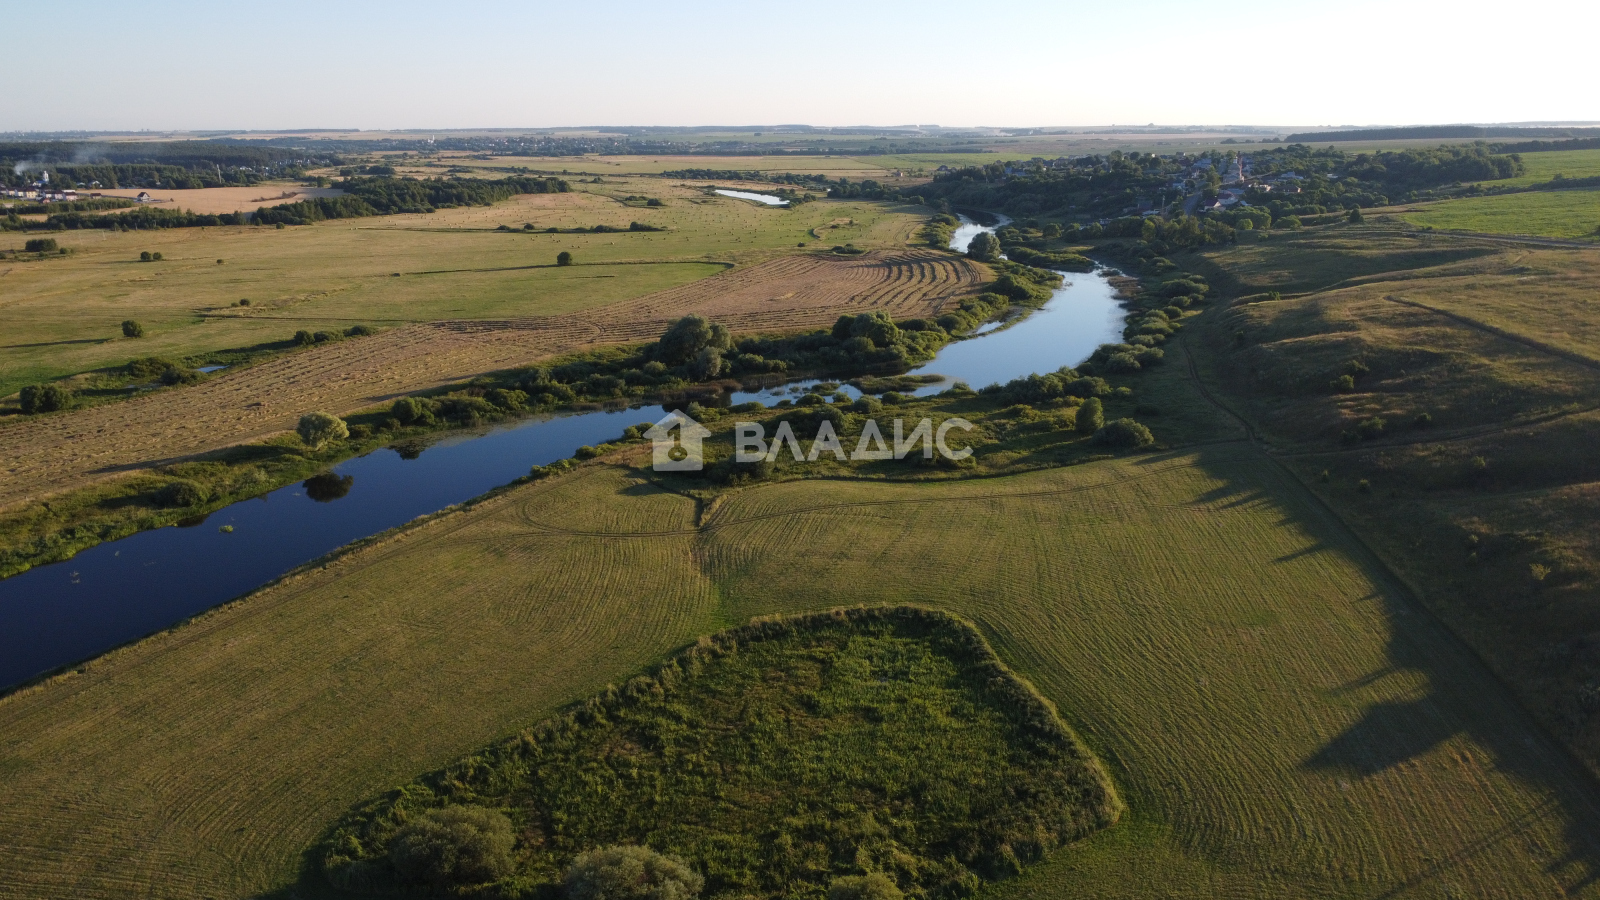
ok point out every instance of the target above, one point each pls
(54, 453)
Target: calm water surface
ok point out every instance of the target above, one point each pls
(768, 199)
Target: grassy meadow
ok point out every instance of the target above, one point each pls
(1570, 214)
(1281, 719)
(1541, 167)
(1477, 482)
(61, 315)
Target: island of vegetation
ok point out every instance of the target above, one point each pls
(793, 757)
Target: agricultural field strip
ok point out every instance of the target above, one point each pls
(57, 452)
(716, 521)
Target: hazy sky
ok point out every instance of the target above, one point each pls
(332, 64)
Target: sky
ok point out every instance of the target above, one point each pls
(88, 65)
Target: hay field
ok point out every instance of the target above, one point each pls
(46, 454)
(1281, 720)
(61, 315)
(1568, 214)
(228, 199)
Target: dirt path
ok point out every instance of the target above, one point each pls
(55, 453)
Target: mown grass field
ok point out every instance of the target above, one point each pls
(1557, 214)
(1280, 718)
(1489, 503)
(61, 315)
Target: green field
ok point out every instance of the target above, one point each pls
(1542, 167)
(61, 315)
(1281, 719)
(1555, 214)
(1480, 484)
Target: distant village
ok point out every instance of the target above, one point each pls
(1186, 187)
(41, 192)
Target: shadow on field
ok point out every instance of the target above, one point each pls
(1451, 694)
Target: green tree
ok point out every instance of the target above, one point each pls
(985, 247)
(457, 845)
(707, 364)
(1355, 215)
(40, 245)
(144, 256)
(318, 428)
(1090, 416)
(563, 258)
(132, 329)
(685, 338)
(631, 873)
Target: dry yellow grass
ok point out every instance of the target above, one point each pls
(213, 201)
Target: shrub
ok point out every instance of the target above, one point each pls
(1371, 428)
(458, 845)
(1090, 416)
(1124, 433)
(871, 886)
(359, 331)
(412, 411)
(630, 873)
(1355, 215)
(323, 337)
(132, 329)
(173, 375)
(40, 245)
(42, 398)
(1344, 384)
(509, 399)
(181, 493)
(149, 367)
(1423, 420)
(304, 338)
(144, 256)
(586, 452)
(564, 258)
(317, 428)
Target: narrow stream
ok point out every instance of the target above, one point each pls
(122, 590)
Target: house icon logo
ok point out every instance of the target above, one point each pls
(680, 453)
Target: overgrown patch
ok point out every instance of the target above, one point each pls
(775, 759)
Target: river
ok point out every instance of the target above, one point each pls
(121, 590)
